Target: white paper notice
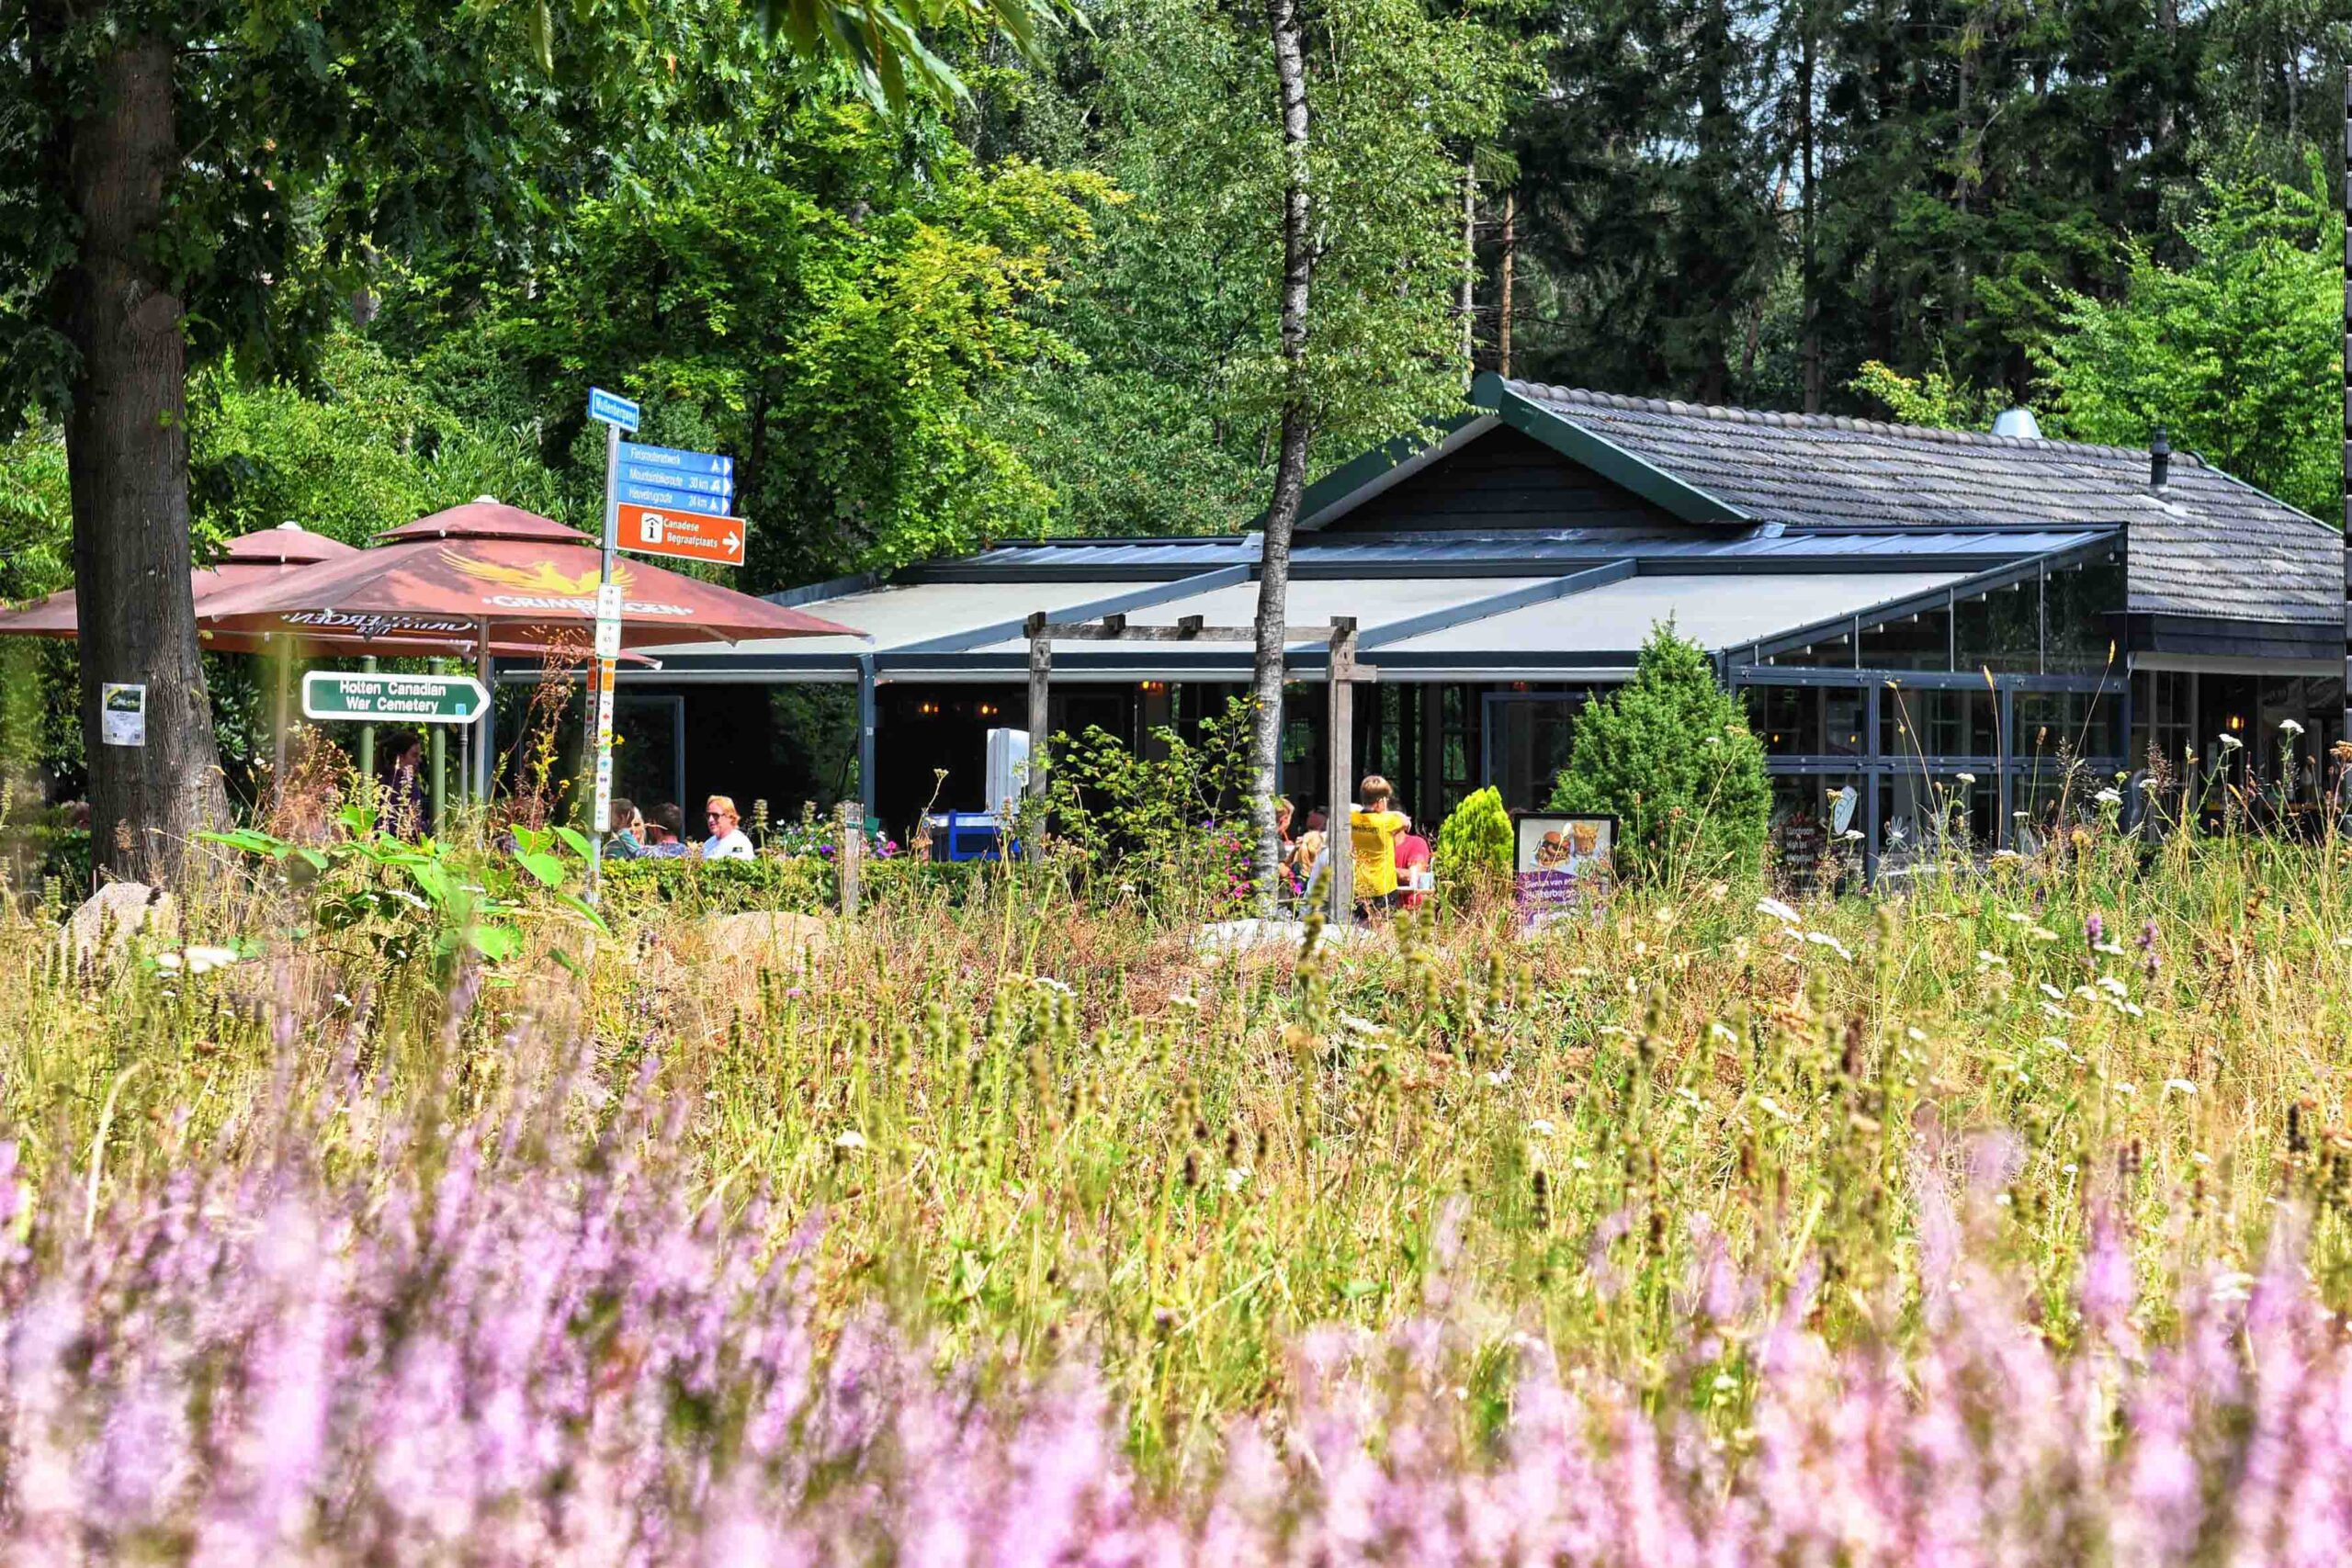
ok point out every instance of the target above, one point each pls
(123, 715)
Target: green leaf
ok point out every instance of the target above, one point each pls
(573, 839)
(586, 910)
(546, 867)
(496, 943)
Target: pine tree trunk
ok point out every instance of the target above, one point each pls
(1290, 461)
(1809, 260)
(126, 444)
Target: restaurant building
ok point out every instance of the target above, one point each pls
(1900, 606)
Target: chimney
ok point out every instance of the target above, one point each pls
(2159, 459)
(2019, 422)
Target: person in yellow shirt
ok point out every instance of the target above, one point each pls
(1373, 829)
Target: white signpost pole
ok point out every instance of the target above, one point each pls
(608, 647)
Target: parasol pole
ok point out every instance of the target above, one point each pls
(285, 682)
(439, 750)
(487, 742)
(367, 731)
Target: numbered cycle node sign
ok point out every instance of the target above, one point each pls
(408, 699)
(685, 535)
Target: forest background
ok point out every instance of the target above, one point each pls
(1046, 304)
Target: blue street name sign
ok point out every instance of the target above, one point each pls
(671, 479)
(675, 461)
(612, 408)
(667, 499)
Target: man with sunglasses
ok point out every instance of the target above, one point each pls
(727, 840)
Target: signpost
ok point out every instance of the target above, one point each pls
(658, 500)
(682, 536)
(369, 698)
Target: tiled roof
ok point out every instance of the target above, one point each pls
(2208, 545)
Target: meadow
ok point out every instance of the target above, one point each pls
(2004, 1220)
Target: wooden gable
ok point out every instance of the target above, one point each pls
(1502, 480)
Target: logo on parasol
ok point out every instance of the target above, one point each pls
(545, 588)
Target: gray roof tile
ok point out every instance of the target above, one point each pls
(2209, 545)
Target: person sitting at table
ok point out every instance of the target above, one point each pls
(627, 841)
(665, 832)
(1412, 868)
(727, 840)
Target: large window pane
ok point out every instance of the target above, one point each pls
(2001, 631)
(1911, 642)
(2081, 600)
(1937, 724)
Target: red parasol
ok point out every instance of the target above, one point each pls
(485, 565)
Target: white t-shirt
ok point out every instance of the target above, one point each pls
(731, 845)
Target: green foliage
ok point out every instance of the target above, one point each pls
(430, 900)
(1670, 756)
(1931, 398)
(1162, 827)
(831, 316)
(2234, 349)
(807, 885)
(364, 447)
(36, 516)
(1476, 848)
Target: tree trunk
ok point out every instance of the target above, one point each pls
(126, 444)
(1808, 238)
(1290, 462)
(1503, 306)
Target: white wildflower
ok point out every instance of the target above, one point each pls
(2107, 798)
(1965, 778)
(1823, 939)
(1237, 1178)
(1541, 1127)
(2179, 1085)
(2228, 742)
(849, 1138)
(2290, 729)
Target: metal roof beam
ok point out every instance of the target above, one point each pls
(2016, 571)
(1497, 604)
(1093, 610)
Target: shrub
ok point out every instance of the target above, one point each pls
(1474, 847)
(1670, 756)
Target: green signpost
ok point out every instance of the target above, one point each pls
(370, 697)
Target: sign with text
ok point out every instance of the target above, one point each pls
(669, 499)
(674, 460)
(612, 408)
(122, 715)
(717, 486)
(414, 699)
(657, 531)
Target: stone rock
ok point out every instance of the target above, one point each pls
(760, 937)
(103, 927)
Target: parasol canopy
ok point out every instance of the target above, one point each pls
(263, 556)
(486, 567)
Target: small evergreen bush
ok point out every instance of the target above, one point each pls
(1670, 756)
(1474, 849)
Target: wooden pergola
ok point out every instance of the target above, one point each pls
(1343, 671)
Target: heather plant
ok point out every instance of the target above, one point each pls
(1040, 1127)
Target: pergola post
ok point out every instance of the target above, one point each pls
(486, 727)
(1041, 674)
(439, 751)
(1341, 789)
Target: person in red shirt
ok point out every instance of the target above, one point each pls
(1412, 859)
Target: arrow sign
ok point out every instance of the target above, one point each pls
(685, 535)
(669, 499)
(418, 699)
(612, 408)
(717, 485)
(672, 460)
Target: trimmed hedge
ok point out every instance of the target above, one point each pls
(805, 883)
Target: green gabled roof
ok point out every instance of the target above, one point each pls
(1605, 458)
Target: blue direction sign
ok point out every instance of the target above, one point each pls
(719, 485)
(675, 461)
(667, 499)
(612, 408)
